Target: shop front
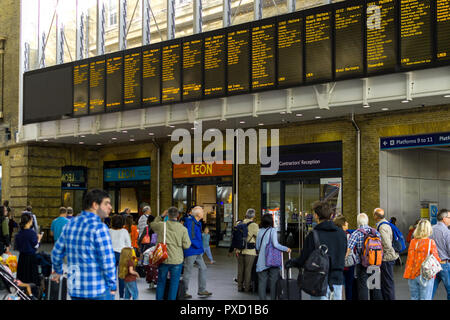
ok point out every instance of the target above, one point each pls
(128, 183)
(307, 173)
(211, 187)
(73, 187)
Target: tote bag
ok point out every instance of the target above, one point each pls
(273, 255)
(430, 266)
(159, 255)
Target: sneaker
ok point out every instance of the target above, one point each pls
(205, 293)
(187, 296)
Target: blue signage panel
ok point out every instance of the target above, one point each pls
(127, 174)
(423, 140)
(73, 178)
(307, 162)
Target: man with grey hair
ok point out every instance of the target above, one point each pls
(441, 235)
(356, 244)
(142, 222)
(246, 256)
(69, 213)
(194, 254)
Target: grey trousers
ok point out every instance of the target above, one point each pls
(245, 265)
(189, 265)
(272, 275)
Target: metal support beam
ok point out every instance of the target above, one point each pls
(224, 109)
(101, 20)
(289, 100)
(87, 43)
(291, 5)
(409, 85)
(170, 19)
(226, 13)
(257, 9)
(59, 40)
(323, 94)
(145, 22)
(80, 41)
(26, 59)
(122, 24)
(256, 104)
(366, 90)
(197, 7)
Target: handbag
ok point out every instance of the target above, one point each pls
(273, 255)
(159, 254)
(350, 260)
(430, 266)
(146, 239)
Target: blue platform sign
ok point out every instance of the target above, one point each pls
(127, 174)
(417, 141)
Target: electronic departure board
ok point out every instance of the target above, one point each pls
(263, 56)
(415, 35)
(151, 76)
(349, 45)
(132, 79)
(290, 51)
(97, 86)
(192, 69)
(238, 61)
(381, 39)
(443, 29)
(318, 47)
(214, 65)
(80, 89)
(114, 82)
(171, 73)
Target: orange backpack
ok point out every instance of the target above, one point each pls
(372, 253)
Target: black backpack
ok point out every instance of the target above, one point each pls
(239, 236)
(313, 279)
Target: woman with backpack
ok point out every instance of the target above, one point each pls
(420, 247)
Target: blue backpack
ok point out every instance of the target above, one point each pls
(398, 241)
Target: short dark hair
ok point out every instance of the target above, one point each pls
(442, 214)
(94, 196)
(173, 212)
(322, 209)
(116, 222)
(24, 220)
(29, 208)
(62, 210)
(267, 221)
(340, 221)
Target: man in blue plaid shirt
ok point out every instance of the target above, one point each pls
(86, 241)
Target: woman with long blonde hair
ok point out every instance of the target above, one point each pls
(127, 272)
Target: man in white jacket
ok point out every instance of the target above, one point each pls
(142, 223)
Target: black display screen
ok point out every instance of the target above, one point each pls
(151, 76)
(443, 29)
(132, 79)
(290, 51)
(415, 28)
(238, 61)
(114, 82)
(214, 65)
(263, 56)
(171, 73)
(192, 69)
(349, 41)
(97, 86)
(318, 47)
(381, 37)
(80, 88)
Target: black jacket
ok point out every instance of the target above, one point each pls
(336, 241)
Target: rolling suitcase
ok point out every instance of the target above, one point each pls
(55, 291)
(287, 288)
(181, 290)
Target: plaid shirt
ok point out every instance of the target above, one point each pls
(356, 241)
(91, 262)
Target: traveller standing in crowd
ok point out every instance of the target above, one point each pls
(35, 225)
(349, 272)
(177, 239)
(27, 243)
(69, 213)
(59, 223)
(267, 234)
(4, 231)
(246, 257)
(206, 237)
(336, 241)
(411, 231)
(441, 235)
(120, 239)
(125, 213)
(389, 255)
(90, 256)
(393, 221)
(147, 230)
(133, 232)
(419, 288)
(194, 254)
(127, 272)
(142, 222)
(356, 244)
(12, 225)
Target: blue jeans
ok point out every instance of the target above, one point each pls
(337, 292)
(443, 276)
(208, 253)
(131, 290)
(175, 274)
(106, 296)
(420, 292)
(121, 282)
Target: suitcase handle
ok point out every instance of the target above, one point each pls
(283, 269)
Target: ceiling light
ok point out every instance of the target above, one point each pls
(131, 140)
(317, 117)
(81, 142)
(299, 115)
(124, 131)
(242, 122)
(447, 96)
(45, 140)
(151, 134)
(260, 124)
(385, 109)
(405, 101)
(83, 136)
(99, 144)
(113, 138)
(172, 126)
(366, 106)
(169, 135)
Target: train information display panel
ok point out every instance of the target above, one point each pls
(192, 69)
(443, 29)
(132, 79)
(318, 46)
(416, 44)
(349, 44)
(171, 73)
(263, 56)
(151, 76)
(238, 61)
(381, 39)
(80, 89)
(97, 86)
(290, 51)
(214, 66)
(114, 82)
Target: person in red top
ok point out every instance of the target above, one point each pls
(133, 231)
(128, 273)
(419, 248)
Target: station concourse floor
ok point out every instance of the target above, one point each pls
(220, 280)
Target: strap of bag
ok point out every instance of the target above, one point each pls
(260, 244)
(316, 239)
(60, 288)
(429, 247)
(164, 232)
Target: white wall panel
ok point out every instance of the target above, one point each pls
(444, 165)
(428, 165)
(409, 163)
